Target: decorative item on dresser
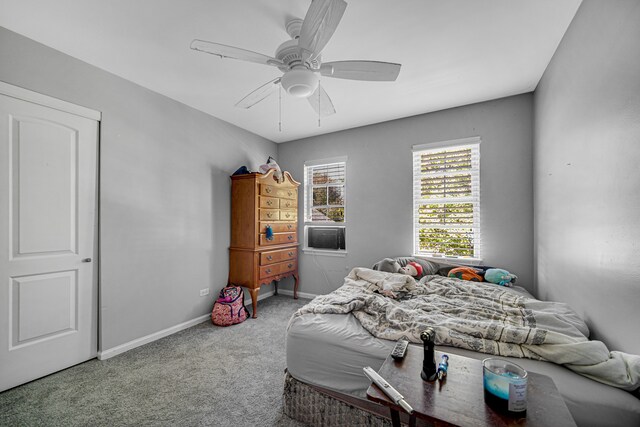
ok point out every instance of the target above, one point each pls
(258, 257)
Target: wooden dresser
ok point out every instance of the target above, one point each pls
(259, 201)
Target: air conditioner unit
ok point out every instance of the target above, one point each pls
(331, 238)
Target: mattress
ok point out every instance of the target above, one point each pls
(330, 350)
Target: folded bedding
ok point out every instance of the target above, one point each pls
(479, 317)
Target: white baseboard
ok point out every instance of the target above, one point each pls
(300, 294)
(106, 354)
(261, 296)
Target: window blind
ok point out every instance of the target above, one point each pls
(325, 195)
(446, 199)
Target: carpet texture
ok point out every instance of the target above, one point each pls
(202, 376)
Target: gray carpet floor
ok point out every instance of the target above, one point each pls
(202, 376)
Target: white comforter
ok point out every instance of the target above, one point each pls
(480, 317)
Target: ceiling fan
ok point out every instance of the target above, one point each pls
(299, 59)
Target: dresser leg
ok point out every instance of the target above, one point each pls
(295, 286)
(275, 284)
(254, 301)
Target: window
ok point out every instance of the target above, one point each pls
(324, 191)
(446, 199)
(325, 205)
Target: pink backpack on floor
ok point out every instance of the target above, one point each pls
(229, 309)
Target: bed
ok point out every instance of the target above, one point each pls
(332, 338)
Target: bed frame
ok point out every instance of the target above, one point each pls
(318, 406)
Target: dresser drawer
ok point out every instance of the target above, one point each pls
(288, 193)
(278, 227)
(288, 215)
(283, 193)
(269, 202)
(268, 190)
(276, 269)
(288, 203)
(278, 239)
(272, 257)
(269, 214)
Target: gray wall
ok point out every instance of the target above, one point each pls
(164, 190)
(587, 174)
(379, 186)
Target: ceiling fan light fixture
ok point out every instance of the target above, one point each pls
(300, 82)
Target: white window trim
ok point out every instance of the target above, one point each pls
(475, 140)
(446, 144)
(461, 261)
(324, 252)
(327, 161)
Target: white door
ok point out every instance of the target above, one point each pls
(48, 286)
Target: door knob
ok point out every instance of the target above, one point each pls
(86, 260)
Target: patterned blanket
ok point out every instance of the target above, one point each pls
(476, 316)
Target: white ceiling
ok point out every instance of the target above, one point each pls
(453, 52)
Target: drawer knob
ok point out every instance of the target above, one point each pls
(289, 265)
(289, 226)
(269, 214)
(269, 202)
(268, 270)
(290, 237)
(287, 215)
(290, 254)
(289, 193)
(267, 190)
(269, 257)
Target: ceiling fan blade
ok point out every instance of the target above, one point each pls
(321, 102)
(361, 70)
(259, 94)
(319, 24)
(224, 51)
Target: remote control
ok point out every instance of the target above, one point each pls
(400, 349)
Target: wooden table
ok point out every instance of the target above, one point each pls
(459, 399)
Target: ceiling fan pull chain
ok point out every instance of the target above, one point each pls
(280, 109)
(319, 91)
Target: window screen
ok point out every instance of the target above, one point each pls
(446, 199)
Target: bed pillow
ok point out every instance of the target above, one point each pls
(428, 267)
